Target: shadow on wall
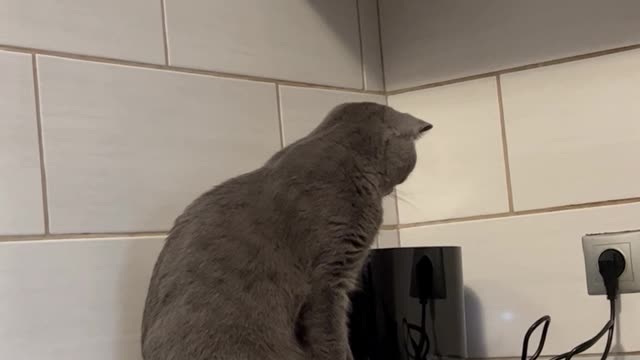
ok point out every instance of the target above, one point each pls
(489, 337)
(431, 41)
(476, 342)
(344, 25)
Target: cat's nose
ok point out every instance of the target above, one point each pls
(426, 127)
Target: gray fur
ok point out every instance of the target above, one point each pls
(260, 267)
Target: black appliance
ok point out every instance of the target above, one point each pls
(409, 306)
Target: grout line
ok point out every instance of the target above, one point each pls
(219, 74)
(325, 87)
(591, 205)
(71, 236)
(165, 31)
(505, 148)
(79, 236)
(43, 173)
(384, 77)
(280, 123)
(178, 69)
(517, 68)
(358, 15)
(278, 83)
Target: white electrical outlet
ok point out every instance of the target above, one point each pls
(628, 243)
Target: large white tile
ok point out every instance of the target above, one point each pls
(460, 170)
(302, 109)
(573, 131)
(521, 268)
(390, 216)
(21, 210)
(371, 52)
(430, 41)
(388, 239)
(122, 29)
(307, 41)
(126, 149)
(74, 299)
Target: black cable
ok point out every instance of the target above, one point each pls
(419, 348)
(546, 320)
(611, 264)
(607, 347)
(608, 327)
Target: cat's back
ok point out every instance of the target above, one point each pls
(236, 267)
(217, 284)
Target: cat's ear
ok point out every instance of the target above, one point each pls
(406, 125)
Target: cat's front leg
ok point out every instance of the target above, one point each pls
(324, 323)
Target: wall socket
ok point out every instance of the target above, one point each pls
(628, 243)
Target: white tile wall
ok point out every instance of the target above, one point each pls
(460, 170)
(518, 269)
(21, 210)
(388, 239)
(308, 41)
(390, 216)
(302, 109)
(430, 41)
(126, 149)
(573, 131)
(371, 53)
(122, 29)
(74, 299)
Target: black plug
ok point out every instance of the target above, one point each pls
(611, 264)
(423, 280)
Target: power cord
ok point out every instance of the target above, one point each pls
(611, 264)
(419, 349)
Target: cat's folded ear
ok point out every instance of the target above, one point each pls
(406, 125)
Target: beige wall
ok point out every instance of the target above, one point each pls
(428, 41)
(115, 114)
(530, 151)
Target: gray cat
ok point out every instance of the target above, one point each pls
(261, 266)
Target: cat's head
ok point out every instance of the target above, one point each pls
(381, 135)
